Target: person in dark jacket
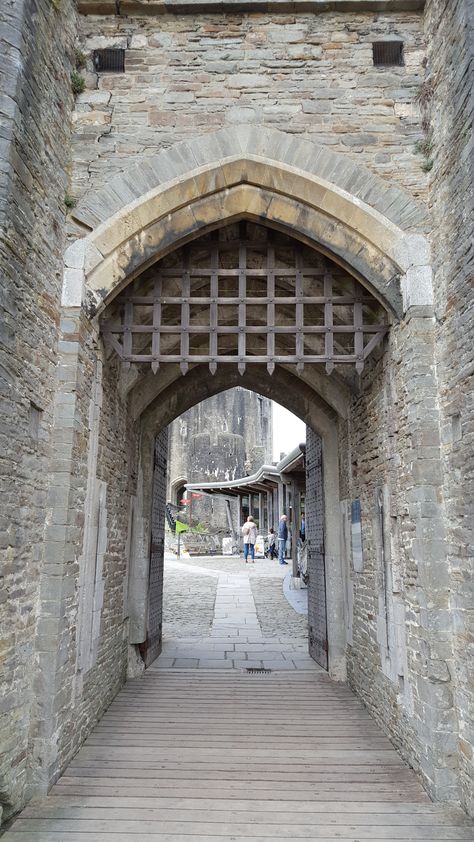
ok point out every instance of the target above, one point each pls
(282, 539)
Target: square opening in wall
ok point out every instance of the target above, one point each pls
(388, 53)
(109, 61)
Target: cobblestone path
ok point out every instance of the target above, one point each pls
(275, 614)
(220, 613)
(188, 604)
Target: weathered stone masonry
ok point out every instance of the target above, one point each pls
(450, 115)
(35, 62)
(309, 75)
(226, 437)
(85, 429)
(400, 654)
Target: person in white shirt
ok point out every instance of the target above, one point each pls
(249, 531)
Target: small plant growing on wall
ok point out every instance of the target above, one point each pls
(78, 83)
(425, 147)
(70, 201)
(80, 59)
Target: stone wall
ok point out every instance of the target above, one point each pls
(82, 644)
(306, 74)
(401, 648)
(449, 107)
(35, 63)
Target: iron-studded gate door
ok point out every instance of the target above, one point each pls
(152, 646)
(314, 505)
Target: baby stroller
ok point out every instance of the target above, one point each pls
(270, 549)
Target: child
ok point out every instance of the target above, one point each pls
(271, 538)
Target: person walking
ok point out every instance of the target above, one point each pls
(249, 531)
(282, 539)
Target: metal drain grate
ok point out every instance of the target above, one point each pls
(254, 670)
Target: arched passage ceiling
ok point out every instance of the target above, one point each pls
(315, 400)
(323, 198)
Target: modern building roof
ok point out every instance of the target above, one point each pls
(266, 478)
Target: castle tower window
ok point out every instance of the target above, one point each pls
(388, 53)
(109, 61)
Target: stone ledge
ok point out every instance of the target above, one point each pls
(157, 7)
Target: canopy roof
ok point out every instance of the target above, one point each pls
(265, 479)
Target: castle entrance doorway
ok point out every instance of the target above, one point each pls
(252, 305)
(253, 258)
(223, 606)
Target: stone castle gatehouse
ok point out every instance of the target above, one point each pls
(196, 196)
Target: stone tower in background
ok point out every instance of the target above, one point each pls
(223, 438)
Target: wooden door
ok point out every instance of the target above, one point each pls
(152, 646)
(314, 509)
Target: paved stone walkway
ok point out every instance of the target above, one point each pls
(252, 624)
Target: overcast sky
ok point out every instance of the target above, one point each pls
(288, 431)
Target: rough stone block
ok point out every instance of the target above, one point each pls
(73, 287)
(413, 250)
(106, 42)
(417, 287)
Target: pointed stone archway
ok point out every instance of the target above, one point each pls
(161, 323)
(360, 221)
(372, 231)
(288, 390)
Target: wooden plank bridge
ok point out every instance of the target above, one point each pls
(189, 756)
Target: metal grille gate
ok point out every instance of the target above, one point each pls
(152, 646)
(314, 505)
(245, 295)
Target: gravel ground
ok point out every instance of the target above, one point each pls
(188, 603)
(275, 614)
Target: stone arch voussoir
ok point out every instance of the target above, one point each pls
(373, 229)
